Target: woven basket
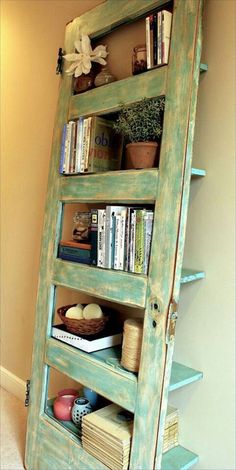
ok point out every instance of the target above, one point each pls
(82, 327)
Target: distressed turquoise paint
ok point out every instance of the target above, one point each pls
(182, 375)
(45, 303)
(178, 458)
(179, 82)
(115, 286)
(116, 186)
(60, 450)
(93, 371)
(180, 91)
(122, 187)
(109, 97)
(108, 16)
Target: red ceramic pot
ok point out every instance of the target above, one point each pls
(62, 406)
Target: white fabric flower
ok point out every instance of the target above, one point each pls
(84, 56)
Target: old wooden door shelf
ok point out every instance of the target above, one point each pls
(51, 445)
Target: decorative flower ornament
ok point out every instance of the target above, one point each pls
(84, 56)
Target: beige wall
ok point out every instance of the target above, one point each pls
(31, 32)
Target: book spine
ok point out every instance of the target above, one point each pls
(122, 239)
(108, 233)
(84, 143)
(79, 144)
(127, 240)
(139, 242)
(155, 39)
(74, 259)
(87, 143)
(83, 254)
(117, 238)
(166, 32)
(72, 148)
(67, 147)
(62, 160)
(101, 237)
(113, 235)
(148, 225)
(94, 236)
(151, 27)
(132, 239)
(148, 43)
(159, 39)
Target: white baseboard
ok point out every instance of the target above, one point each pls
(12, 383)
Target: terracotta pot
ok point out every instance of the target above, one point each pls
(141, 155)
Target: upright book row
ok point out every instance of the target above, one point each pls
(90, 145)
(122, 236)
(158, 32)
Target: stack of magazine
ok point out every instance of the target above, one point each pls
(107, 434)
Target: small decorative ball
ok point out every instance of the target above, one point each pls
(74, 312)
(92, 311)
(81, 407)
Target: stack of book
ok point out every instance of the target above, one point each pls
(121, 238)
(158, 32)
(171, 429)
(107, 433)
(90, 145)
(109, 337)
(70, 250)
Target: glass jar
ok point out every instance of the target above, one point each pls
(139, 59)
(104, 77)
(82, 227)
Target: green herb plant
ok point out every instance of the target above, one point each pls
(141, 121)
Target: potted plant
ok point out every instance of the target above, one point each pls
(141, 126)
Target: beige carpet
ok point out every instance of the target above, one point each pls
(13, 429)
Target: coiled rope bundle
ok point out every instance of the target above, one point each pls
(132, 343)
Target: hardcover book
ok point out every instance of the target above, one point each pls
(74, 251)
(106, 339)
(105, 146)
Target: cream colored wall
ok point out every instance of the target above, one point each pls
(32, 32)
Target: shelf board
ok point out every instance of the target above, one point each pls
(191, 275)
(99, 371)
(108, 98)
(177, 458)
(182, 375)
(116, 286)
(109, 284)
(102, 372)
(125, 187)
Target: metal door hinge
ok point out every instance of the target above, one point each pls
(171, 322)
(27, 393)
(59, 61)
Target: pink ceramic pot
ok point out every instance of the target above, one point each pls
(62, 406)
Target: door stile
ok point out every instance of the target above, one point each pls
(167, 221)
(45, 304)
(181, 235)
